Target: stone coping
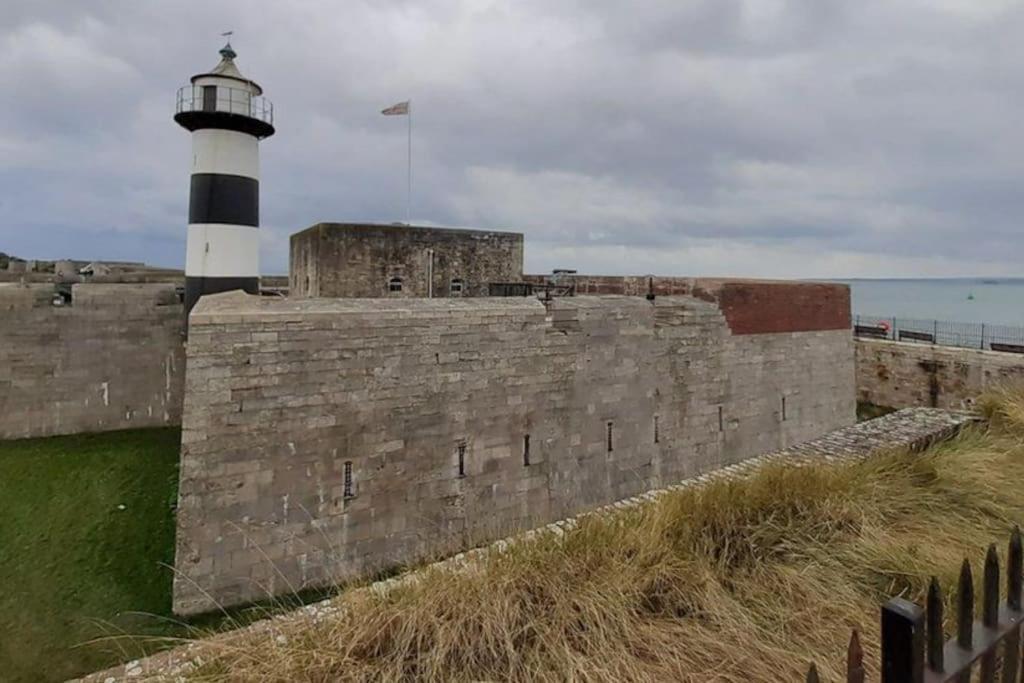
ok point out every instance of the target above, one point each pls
(403, 228)
(939, 349)
(913, 428)
(230, 307)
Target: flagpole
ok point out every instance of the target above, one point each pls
(408, 195)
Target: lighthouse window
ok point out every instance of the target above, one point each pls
(456, 287)
(209, 98)
(395, 284)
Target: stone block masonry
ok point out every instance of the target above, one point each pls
(902, 374)
(326, 439)
(360, 260)
(112, 358)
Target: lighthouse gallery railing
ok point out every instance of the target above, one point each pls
(227, 100)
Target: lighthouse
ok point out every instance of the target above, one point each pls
(227, 116)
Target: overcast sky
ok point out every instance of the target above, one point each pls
(777, 138)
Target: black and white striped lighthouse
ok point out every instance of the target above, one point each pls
(227, 117)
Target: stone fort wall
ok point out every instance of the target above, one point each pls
(112, 358)
(325, 439)
(900, 374)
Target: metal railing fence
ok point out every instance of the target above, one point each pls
(1007, 338)
(228, 100)
(914, 648)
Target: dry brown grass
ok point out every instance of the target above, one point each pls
(737, 581)
(1004, 406)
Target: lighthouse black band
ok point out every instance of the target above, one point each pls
(196, 287)
(219, 198)
(197, 120)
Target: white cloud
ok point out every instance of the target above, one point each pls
(64, 63)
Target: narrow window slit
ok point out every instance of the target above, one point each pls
(526, 450)
(462, 458)
(348, 479)
(783, 408)
(721, 421)
(610, 437)
(657, 435)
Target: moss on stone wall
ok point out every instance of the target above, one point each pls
(869, 411)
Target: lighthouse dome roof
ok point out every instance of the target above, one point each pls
(227, 68)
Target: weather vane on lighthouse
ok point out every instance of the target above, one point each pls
(227, 117)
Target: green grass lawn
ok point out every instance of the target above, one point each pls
(86, 542)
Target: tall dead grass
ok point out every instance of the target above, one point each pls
(744, 580)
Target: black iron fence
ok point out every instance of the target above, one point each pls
(1008, 338)
(914, 646)
(547, 289)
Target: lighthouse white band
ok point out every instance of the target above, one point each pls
(220, 250)
(225, 152)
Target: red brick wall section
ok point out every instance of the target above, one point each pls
(766, 307)
(749, 306)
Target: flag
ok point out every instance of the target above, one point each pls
(396, 109)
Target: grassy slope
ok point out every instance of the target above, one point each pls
(71, 561)
(738, 581)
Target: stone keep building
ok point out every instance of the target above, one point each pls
(360, 260)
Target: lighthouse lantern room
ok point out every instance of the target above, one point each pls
(227, 116)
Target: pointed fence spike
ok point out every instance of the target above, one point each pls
(1014, 564)
(933, 628)
(854, 660)
(812, 674)
(1014, 570)
(990, 597)
(989, 611)
(965, 607)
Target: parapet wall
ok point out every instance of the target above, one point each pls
(111, 359)
(325, 439)
(900, 374)
(749, 306)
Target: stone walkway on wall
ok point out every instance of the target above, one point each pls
(913, 428)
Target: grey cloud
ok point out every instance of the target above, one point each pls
(693, 135)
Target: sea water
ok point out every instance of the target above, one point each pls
(969, 300)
